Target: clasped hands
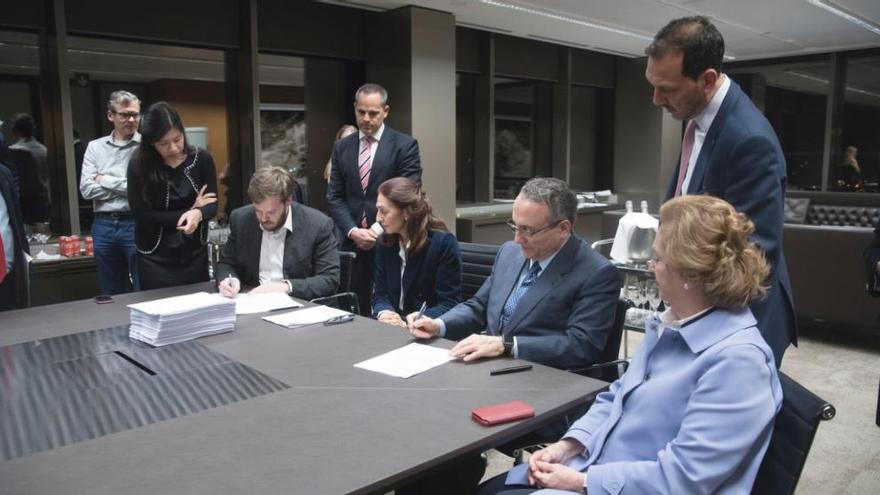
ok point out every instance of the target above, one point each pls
(189, 221)
(364, 239)
(546, 468)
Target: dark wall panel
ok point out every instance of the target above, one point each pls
(527, 59)
(467, 50)
(23, 14)
(308, 28)
(592, 69)
(191, 22)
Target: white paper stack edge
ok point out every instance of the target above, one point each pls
(181, 318)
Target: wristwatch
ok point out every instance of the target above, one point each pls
(508, 345)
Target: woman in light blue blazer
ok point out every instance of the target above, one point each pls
(694, 412)
(417, 261)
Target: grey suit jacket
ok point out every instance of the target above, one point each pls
(311, 259)
(563, 320)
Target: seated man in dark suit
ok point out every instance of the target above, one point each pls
(278, 245)
(550, 298)
(872, 266)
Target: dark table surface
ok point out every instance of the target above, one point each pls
(337, 429)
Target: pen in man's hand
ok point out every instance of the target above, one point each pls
(421, 311)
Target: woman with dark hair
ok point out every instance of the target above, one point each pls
(417, 260)
(694, 412)
(172, 190)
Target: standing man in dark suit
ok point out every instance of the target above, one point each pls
(277, 244)
(13, 246)
(729, 151)
(361, 162)
(872, 269)
(550, 297)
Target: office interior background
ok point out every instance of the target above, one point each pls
(496, 92)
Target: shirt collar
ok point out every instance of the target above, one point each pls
(135, 139)
(376, 137)
(707, 328)
(704, 120)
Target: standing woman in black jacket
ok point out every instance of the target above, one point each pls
(172, 190)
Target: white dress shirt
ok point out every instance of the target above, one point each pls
(374, 145)
(704, 122)
(272, 251)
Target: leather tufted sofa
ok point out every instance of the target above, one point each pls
(824, 255)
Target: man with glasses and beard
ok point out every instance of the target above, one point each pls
(278, 245)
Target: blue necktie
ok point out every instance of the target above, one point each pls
(518, 293)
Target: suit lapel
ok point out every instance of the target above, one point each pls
(696, 183)
(382, 157)
(414, 265)
(551, 278)
(254, 245)
(295, 214)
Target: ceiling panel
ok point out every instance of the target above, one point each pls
(752, 28)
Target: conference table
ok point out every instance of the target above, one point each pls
(313, 422)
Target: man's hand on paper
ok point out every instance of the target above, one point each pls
(476, 346)
(278, 286)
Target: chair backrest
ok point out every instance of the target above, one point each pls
(346, 259)
(611, 352)
(476, 265)
(346, 301)
(793, 432)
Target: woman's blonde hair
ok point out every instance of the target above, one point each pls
(707, 242)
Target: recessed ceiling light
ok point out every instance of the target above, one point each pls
(849, 16)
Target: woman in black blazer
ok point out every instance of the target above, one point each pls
(416, 253)
(172, 191)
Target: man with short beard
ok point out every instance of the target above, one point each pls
(278, 245)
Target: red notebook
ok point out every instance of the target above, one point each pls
(502, 413)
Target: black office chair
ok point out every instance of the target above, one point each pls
(793, 432)
(345, 299)
(610, 367)
(476, 266)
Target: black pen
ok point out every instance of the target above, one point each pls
(511, 369)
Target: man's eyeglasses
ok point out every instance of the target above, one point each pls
(527, 231)
(127, 115)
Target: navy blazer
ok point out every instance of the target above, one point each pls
(397, 155)
(872, 257)
(432, 276)
(742, 163)
(563, 320)
(9, 192)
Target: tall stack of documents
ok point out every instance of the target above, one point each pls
(181, 318)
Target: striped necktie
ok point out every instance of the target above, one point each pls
(687, 147)
(365, 164)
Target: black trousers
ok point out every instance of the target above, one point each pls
(496, 486)
(159, 270)
(362, 279)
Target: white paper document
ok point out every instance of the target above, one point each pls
(181, 318)
(308, 316)
(246, 304)
(407, 361)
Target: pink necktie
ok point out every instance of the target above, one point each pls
(2, 259)
(687, 146)
(365, 164)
